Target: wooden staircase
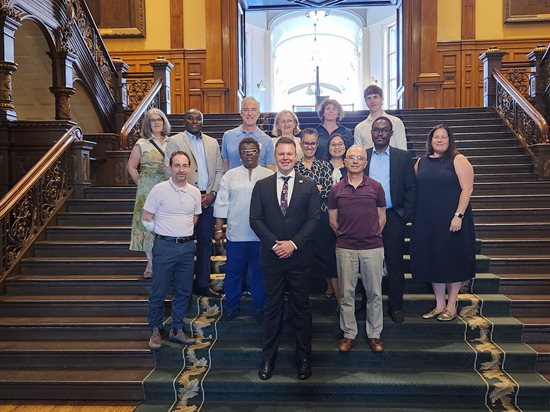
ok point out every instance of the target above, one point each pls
(73, 321)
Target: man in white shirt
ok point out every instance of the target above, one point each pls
(242, 246)
(170, 212)
(374, 97)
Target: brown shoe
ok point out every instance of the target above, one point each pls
(346, 344)
(376, 345)
(155, 341)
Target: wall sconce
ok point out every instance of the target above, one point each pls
(260, 86)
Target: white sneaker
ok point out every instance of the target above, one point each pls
(155, 341)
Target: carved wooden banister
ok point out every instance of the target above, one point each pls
(527, 123)
(28, 207)
(131, 130)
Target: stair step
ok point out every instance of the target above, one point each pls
(512, 230)
(480, 169)
(94, 218)
(75, 354)
(73, 306)
(511, 215)
(509, 201)
(91, 265)
(543, 356)
(524, 284)
(100, 205)
(85, 248)
(88, 233)
(529, 305)
(105, 384)
(515, 247)
(97, 328)
(520, 264)
(516, 188)
(535, 329)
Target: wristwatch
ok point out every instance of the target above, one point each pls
(459, 215)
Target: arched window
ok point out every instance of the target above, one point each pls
(301, 43)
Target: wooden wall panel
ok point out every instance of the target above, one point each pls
(462, 59)
(186, 77)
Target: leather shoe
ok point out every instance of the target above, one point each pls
(376, 345)
(304, 369)
(397, 316)
(346, 344)
(434, 313)
(208, 292)
(446, 316)
(228, 316)
(266, 370)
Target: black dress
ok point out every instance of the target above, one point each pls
(437, 255)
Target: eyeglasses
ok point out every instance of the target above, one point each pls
(337, 145)
(355, 158)
(310, 143)
(376, 130)
(247, 151)
(156, 120)
(286, 121)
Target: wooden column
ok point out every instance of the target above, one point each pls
(8, 24)
(422, 80)
(121, 92)
(539, 77)
(161, 69)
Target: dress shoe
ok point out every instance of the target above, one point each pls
(229, 316)
(346, 344)
(304, 369)
(266, 370)
(208, 292)
(446, 316)
(376, 345)
(155, 341)
(179, 336)
(432, 314)
(397, 316)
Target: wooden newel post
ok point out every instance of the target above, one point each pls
(538, 77)
(162, 69)
(121, 98)
(491, 59)
(80, 158)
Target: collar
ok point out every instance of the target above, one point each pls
(372, 119)
(176, 188)
(386, 151)
(363, 182)
(195, 137)
(292, 174)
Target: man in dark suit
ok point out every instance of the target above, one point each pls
(393, 168)
(284, 212)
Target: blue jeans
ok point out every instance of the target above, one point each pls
(242, 258)
(173, 265)
(204, 231)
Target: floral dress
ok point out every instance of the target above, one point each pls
(151, 172)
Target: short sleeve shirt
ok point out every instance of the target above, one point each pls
(230, 146)
(358, 226)
(173, 208)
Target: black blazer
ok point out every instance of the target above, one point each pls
(269, 223)
(402, 182)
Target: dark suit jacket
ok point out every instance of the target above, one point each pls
(269, 223)
(402, 182)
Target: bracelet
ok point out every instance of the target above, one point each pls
(218, 231)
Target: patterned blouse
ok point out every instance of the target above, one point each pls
(321, 174)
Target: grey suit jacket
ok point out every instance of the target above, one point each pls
(182, 141)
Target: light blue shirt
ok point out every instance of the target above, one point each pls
(379, 170)
(230, 146)
(202, 169)
(233, 201)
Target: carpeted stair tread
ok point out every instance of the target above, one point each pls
(76, 320)
(532, 320)
(79, 346)
(69, 259)
(78, 277)
(524, 275)
(67, 375)
(73, 298)
(540, 298)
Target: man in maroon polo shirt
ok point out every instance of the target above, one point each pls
(357, 214)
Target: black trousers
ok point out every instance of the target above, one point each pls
(296, 281)
(394, 245)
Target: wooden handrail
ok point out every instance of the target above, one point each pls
(537, 118)
(21, 188)
(138, 113)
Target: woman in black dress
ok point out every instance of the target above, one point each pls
(443, 240)
(323, 240)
